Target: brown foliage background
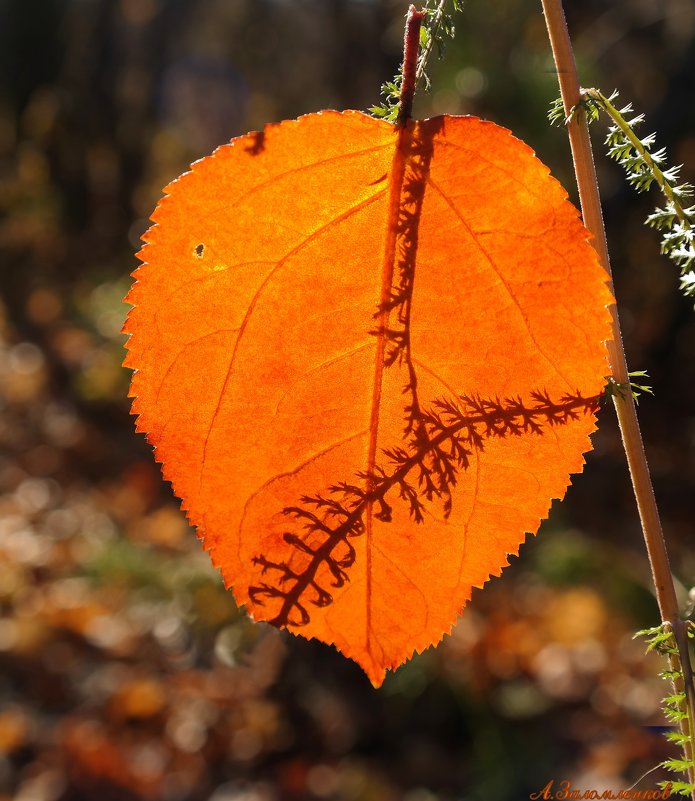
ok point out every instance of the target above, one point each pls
(126, 672)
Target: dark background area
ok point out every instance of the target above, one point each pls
(126, 672)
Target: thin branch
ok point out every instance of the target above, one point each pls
(411, 47)
(624, 403)
(437, 25)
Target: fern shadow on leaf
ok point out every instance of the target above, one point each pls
(419, 472)
(436, 443)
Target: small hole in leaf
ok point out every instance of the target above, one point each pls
(199, 250)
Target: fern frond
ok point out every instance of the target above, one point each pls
(675, 707)
(681, 788)
(676, 737)
(615, 388)
(645, 167)
(676, 765)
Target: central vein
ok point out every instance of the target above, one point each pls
(398, 172)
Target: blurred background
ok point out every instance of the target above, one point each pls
(126, 672)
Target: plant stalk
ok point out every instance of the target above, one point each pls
(624, 402)
(411, 48)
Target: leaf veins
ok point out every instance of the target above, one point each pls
(417, 285)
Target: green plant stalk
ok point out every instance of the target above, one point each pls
(657, 172)
(587, 184)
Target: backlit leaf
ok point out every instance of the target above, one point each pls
(368, 360)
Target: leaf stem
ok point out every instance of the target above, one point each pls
(411, 48)
(587, 184)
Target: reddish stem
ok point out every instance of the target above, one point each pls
(411, 48)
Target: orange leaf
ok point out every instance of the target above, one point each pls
(368, 360)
